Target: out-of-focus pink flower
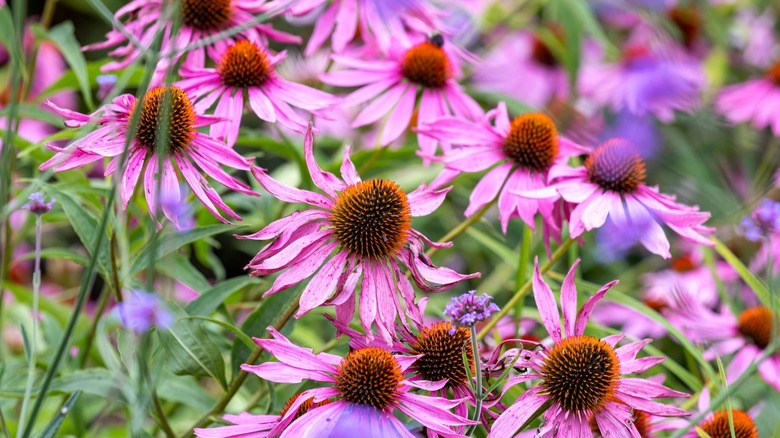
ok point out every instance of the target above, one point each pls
(184, 145)
(391, 87)
(246, 70)
(717, 423)
(368, 223)
(536, 75)
(575, 359)
(378, 23)
(745, 336)
(520, 152)
(753, 101)
(611, 185)
(368, 386)
(753, 34)
(649, 79)
(201, 19)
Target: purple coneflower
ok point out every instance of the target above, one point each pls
(746, 336)
(611, 185)
(366, 386)
(753, 101)
(260, 426)
(378, 23)
(248, 68)
(184, 145)
(537, 75)
(201, 19)
(581, 376)
(521, 152)
(763, 221)
(717, 423)
(368, 224)
(646, 81)
(392, 86)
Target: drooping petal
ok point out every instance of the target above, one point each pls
(545, 302)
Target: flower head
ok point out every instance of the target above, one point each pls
(745, 335)
(141, 310)
(428, 66)
(753, 101)
(201, 19)
(519, 153)
(611, 185)
(368, 382)
(468, 309)
(37, 204)
(182, 146)
(763, 221)
(246, 70)
(368, 225)
(538, 77)
(582, 376)
(648, 80)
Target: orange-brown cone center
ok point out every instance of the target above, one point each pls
(615, 166)
(167, 118)
(717, 426)
(442, 353)
(426, 64)
(372, 219)
(369, 376)
(206, 14)
(532, 142)
(581, 373)
(756, 324)
(244, 65)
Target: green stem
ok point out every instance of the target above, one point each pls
(34, 337)
(522, 268)
(104, 295)
(478, 389)
(235, 385)
(471, 220)
(524, 289)
(7, 155)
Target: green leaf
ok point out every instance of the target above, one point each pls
(230, 327)
(211, 299)
(266, 313)
(96, 381)
(62, 36)
(171, 241)
(752, 281)
(184, 390)
(192, 351)
(84, 223)
(7, 37)
(179, 268)
(56, 422)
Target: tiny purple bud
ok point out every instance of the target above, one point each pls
(469, 308)
(143, 310)
(37, 204)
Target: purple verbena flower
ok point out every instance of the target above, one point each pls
(143, 310)
(469, 308)
(763, 221)
(37, 204)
